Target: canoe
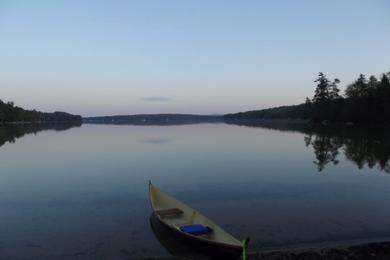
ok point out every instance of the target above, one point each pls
(192, 227)
(173, 244)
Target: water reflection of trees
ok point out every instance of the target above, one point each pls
(372, 150)
(9, 133)
(365, 146)
(326, 149)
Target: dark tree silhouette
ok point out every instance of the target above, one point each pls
(357, 89)
(11, 113)
(365, 101)
(322, 93)
(334, 90)
(373, 84)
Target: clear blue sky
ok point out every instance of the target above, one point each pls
(200, 56)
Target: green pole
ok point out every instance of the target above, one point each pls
(244, 249)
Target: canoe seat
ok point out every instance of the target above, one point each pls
(172, 212)
(196, 229)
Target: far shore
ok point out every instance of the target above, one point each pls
(215, 119)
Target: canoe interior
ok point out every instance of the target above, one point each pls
(161, 201)
(182, 246)
(172, 243)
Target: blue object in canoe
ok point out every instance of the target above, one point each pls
(196, 229)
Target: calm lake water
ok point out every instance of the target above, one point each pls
(81, 192)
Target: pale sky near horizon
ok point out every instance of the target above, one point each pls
(196, 56)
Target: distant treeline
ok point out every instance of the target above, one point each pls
(10, 113)
(283, 112)
(365, 100)
(154, 119)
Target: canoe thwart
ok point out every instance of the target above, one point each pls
(169, 212)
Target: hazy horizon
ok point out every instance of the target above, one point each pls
(97, 58)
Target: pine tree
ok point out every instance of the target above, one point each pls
(357, 89)
(322, 93)
(334, 90)
(385, 81)
(372, 85)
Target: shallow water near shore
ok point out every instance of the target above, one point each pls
(82, 191)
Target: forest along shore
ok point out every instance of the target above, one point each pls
(11, 114)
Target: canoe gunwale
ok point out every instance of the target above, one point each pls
(208, 241)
